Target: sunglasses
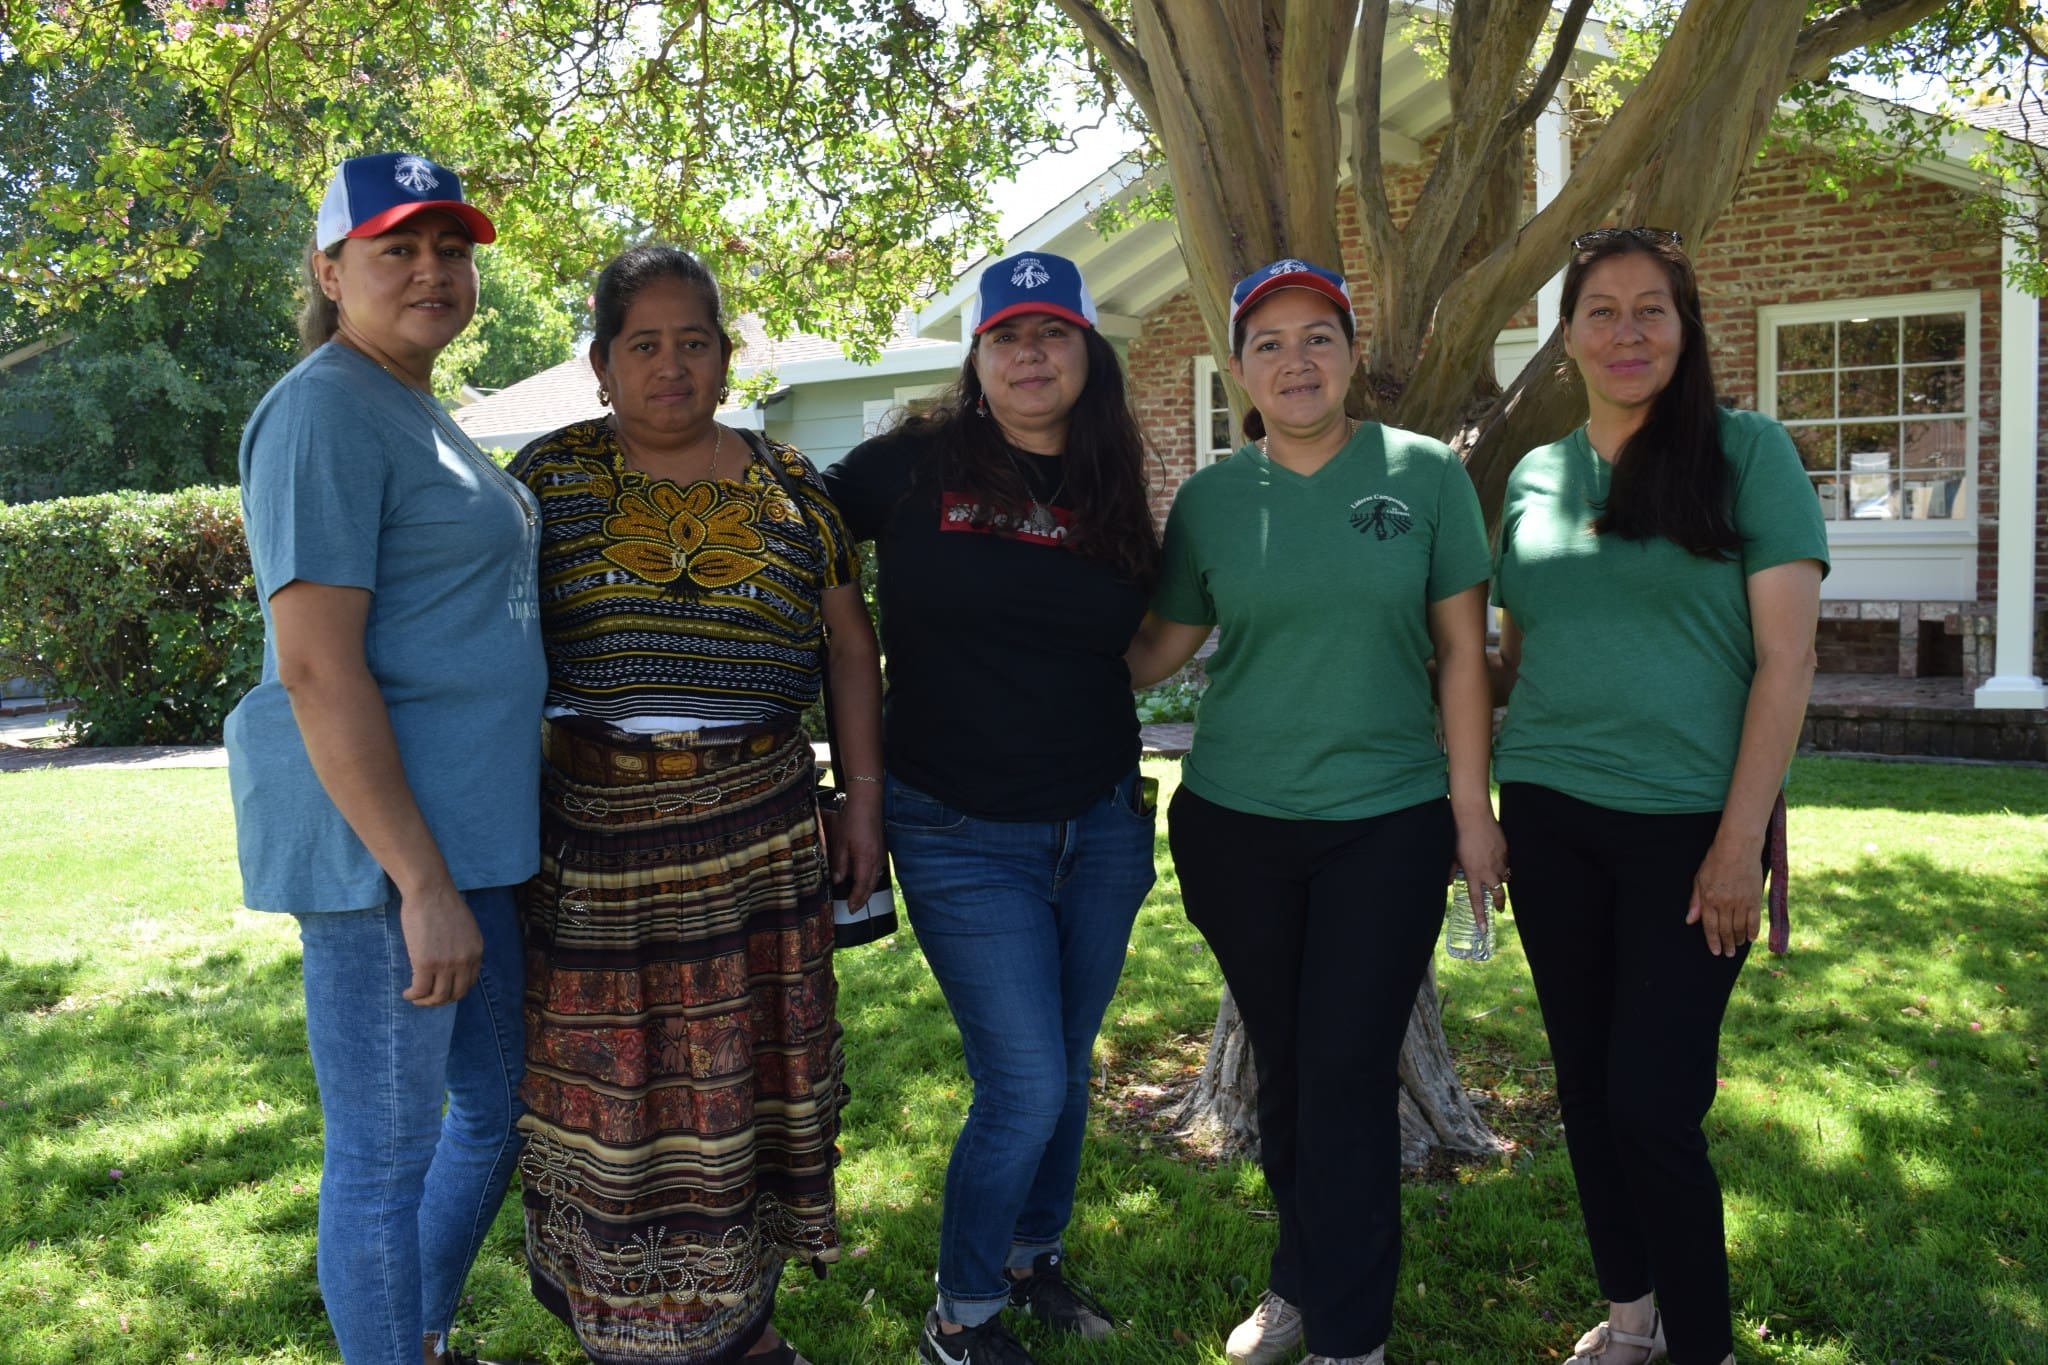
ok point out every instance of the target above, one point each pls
(1639, 234)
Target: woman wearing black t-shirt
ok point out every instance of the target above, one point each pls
(1016, 549)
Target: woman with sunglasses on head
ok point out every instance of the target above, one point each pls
(683, 1080)
(1317, 814)
(1659, 579)
(383, 781)
(1015, 545)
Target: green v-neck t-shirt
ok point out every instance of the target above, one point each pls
(1637, 656)
(1319, 702)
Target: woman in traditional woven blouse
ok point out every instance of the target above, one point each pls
(683, 1061)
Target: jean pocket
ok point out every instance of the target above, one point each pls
(1129, 798)
(906, 810)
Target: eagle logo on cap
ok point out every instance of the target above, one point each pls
(1030, 273)
(415, 173)
(1287, 267)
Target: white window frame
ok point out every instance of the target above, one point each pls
(1205, 412)
(1957, 530)
(878, 415)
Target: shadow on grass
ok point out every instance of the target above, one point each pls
(1888, 1148)
(141, 1080)
(34, 985)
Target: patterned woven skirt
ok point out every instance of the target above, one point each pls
(683, 1066)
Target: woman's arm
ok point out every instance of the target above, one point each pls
(1161, 648)
(318, 633)
(1504, 666)
(854, 666)
(1727, 892)
(1457, 626)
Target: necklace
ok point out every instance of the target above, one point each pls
(717, 444)
(484, 463)
(1041, 520)
(1350, 429)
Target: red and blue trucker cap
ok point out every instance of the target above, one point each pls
(373, 194)
(1287, 274)
(1030, 282)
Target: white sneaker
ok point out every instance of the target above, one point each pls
(1271, 1333)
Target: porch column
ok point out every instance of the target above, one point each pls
(2014, 683)
(1553, 165)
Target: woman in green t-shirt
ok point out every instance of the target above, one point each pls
(1311, 832)
(1659, 577)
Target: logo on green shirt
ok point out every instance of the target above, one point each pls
(1381, 517)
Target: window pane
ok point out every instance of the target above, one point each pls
(1219, 413)
(1934, 336)
(1816, 447)
(1861, 440)
(1806, 395)
(1830, 490)
(1933, 388)
(1808, 346)
(1931, 499)
(1870, 393)
(1873, 341)
(1934, 445)
(1873, 497)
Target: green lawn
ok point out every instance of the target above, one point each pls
(1881, 1131)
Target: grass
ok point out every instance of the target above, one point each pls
(1880, 1130)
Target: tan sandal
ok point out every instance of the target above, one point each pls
(1593, 1348)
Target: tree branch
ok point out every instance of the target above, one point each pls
(1487, 295)
(1521, 117)
(1823, 40)
(1123, 56)
(1368, 179)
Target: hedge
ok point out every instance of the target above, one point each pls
(137, 607)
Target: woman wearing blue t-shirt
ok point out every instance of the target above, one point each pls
(384, 770)
(1312, 830)
(1659, 579)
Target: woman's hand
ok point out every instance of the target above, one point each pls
(1483, 857)
(855, 843)
(443, 943)
(1727, 897)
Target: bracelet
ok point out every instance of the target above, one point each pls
(861, 777)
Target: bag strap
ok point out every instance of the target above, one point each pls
(758, 444)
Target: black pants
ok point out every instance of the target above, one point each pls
(1632, 1000)
(1323, 929)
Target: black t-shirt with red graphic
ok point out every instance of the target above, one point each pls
(1008, 698)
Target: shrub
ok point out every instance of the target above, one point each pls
(137, 607)
(1173, 700)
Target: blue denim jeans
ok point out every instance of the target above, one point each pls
(1025, 925)
(406, 1191)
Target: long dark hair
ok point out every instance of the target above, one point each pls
(1670, 476)
(631, 271)
(1107, 495)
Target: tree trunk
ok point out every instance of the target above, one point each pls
(1220, 1113)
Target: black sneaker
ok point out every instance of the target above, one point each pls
(1046, 1295)
(987, 1343)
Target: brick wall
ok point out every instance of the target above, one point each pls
(1778, 242)
(1858, 647)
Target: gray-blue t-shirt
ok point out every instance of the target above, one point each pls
(349, 480)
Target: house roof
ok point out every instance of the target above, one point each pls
(567, 392)
(555, 397)
(2024, 119)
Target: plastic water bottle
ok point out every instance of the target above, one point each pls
(1468, 928)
